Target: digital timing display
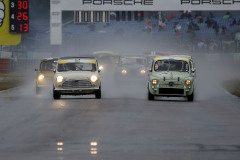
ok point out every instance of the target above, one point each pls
(19, 16)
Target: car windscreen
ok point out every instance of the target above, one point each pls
(48, 65)
(76, 66)
(108, 59)
(133, 61)
(171, 65)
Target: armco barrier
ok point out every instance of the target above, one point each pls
(24, 65)
(4, 65)
(236, 57)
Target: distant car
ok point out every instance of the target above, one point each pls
(131, 67)
(107, 60)
(172, 75)
(77, 76)
(45, 73)
(151, 55)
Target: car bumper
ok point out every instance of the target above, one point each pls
(179, 91)
(44, 83)
(77, 91)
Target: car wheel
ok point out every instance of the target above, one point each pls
(190, 97)
(38, 90)
(98, 94)
(150, 96)
(56, 94)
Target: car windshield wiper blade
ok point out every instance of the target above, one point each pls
(64, 70)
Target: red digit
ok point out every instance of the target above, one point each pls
(25, 4)
(19, 17)
(19, 4)
(25, 27)
(20, 27)
(25, 16)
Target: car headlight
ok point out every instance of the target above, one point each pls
(93, 78)
(41, 77)
(154, 81)
(142, 71)
(101, 67)
(59, 79)
(188, 82)
(124, 71)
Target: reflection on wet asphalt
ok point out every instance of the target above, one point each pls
(122, 125)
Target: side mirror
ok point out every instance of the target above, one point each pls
(193, 70)
(150, 70)
(99, 71)
(54, 70)
(36, 70)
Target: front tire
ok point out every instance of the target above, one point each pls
(150, 96)
(190, 97)
(38, 90)
(56, 94)
(98, 93)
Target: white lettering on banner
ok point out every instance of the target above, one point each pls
(210, 2)
(146, 5)
(118, 2)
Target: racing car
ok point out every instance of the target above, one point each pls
(131, 68)
(76, 76)
(107, 60)
(45, 73)
(172, 76)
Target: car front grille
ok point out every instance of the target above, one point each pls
(171, 91)
(76, 84)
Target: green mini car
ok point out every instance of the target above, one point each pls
(172, 76)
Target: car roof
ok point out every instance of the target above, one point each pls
(176, 57)
(75, 57)
(134, 57)
(105, 52)
(49, 59)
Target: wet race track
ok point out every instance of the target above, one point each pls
(123, 125)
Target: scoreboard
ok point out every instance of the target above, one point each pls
(19, 16)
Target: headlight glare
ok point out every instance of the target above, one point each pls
(188, 82)
(59, 79)
(101, 67)
(154, 81)
(124, 71)
(142, 71)
(41, 77)
(94, 78)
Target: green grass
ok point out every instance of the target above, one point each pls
(233, 86)
(8, 81)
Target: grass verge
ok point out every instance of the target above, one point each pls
(8, 81)
(233, 86)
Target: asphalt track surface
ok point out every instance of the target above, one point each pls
(123, 125)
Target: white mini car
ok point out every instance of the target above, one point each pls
(77, 76)
(45, 73)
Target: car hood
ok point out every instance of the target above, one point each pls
(47, 74)
(133, 67)
(171, 75)
(76, 75)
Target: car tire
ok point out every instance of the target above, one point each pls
(190, 97)
(38, 90)
(98, 93)
(56, 94)
(150, 96)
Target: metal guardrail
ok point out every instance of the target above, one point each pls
(23, 65)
